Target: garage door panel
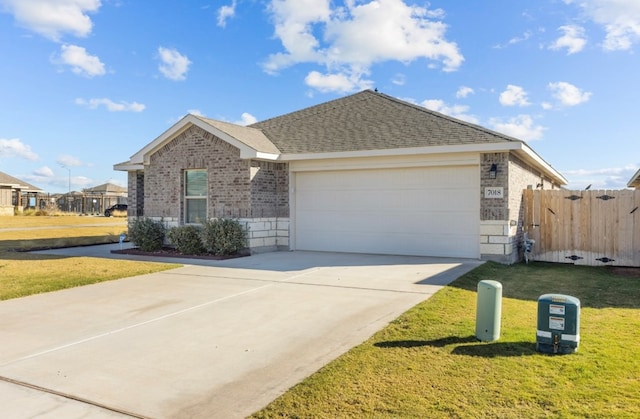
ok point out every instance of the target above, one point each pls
(416, 211)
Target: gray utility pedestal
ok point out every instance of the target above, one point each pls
(489, 310)
(558, 324)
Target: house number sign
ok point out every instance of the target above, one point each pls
(493, 192)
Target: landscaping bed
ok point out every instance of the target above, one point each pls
(174, 253)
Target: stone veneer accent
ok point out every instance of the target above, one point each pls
(501, 221)
(267, 234)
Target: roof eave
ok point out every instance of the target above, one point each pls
(635, 181)
(128, 166)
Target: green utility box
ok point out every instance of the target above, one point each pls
(489, 310)
(558, 324)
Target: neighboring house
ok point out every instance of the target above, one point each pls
(635, 181)
(11, 194)
(366, 173)
(101, 197)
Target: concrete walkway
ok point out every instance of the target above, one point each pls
(212, 339)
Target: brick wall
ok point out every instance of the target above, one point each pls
(501, 225)
(256, 192)
(492, 209)
(269, 189)
(228, 175)
(135, 200)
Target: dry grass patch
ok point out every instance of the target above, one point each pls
(57, 221)
(23, 274)
(427, 363)
(29, 233)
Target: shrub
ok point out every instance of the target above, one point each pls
(224, 236)
(147, 234)
(186, 239)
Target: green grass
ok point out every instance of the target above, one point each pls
(23, 274)
(427, 363)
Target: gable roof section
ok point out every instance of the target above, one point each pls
(370, 121)
(15, 183)
(635, 180)
(251, 141)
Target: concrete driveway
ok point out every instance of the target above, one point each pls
(210, 339)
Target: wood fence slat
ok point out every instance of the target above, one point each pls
(596, 227)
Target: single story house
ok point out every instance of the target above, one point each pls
(635, 180)
(366, 173)
(11, 194)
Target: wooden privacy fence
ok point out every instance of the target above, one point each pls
(584, 227)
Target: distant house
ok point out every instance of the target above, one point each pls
(12, 194)
(635, 181)
(93, 200)
(367, 173)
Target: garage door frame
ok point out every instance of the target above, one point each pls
(469, 160)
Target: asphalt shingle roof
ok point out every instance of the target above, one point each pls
(6, 179)
(370, 121)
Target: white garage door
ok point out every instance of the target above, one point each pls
(427, 211)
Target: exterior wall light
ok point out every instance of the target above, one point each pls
(493, 171)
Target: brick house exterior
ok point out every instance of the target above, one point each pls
(11, 191)
(252, 172)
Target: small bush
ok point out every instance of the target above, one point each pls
(147, 234)
(224, 236)
(186, 239)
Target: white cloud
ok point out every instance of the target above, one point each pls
(67, 160)
(619, 18)
(246, 119)
(515, 40)
(53, 18)
(225, 13)
(174, 65)
(80, 61)
(514, 96)
(464, 91)
(568, 94)
(521, 127)
(348, 40)
(573, 39)
(44, 171)
(337, 82)
(111, 105)
(15, 148)
(196, 112)
(604, 178)
(455, 111)
(399, 79)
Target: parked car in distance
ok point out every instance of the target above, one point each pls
(115, 208)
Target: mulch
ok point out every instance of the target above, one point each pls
(173, 253)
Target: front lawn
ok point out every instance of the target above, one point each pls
(427, 363)
(23, 273)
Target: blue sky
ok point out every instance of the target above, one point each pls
(87, 83)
